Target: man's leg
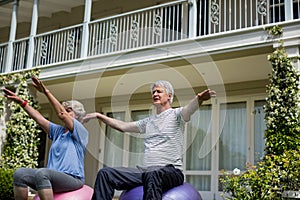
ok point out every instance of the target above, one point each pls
(108, 179)
(158, 181)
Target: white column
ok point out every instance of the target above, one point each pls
(292, 49)
(85, 31)
(288, 9)
(193, 18)
(12, 36)
(34, 22)
(293, 52)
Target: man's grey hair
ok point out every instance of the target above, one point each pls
(77, 108)
(167, 85)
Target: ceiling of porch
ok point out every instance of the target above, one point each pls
(46, 9)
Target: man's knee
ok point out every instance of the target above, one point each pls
(105, 173)
(152, 175)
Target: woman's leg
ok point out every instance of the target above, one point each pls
(45, 194)
(49, 181)
(57, 181)
(23, 177)
(45, 181)
(20, 193)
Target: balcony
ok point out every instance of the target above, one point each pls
(163, 24)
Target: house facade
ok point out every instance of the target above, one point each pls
(107, 53)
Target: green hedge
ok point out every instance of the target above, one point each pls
(6, 184)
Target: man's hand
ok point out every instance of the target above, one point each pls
(206, 95)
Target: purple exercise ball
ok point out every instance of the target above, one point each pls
(182, 192)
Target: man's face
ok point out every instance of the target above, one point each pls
(160, 97)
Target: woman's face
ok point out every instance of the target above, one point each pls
(71, 112)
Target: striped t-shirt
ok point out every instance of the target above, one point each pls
(163, 139)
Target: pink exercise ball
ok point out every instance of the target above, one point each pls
(84, 193)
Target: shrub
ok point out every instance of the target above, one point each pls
(267, 180)
(6, 184)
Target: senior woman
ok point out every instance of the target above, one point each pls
(65, 169)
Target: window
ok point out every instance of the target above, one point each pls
(232, 143)
(199, 145)
(136, 141)
(114, 141)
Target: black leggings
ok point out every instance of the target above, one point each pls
(155, 181)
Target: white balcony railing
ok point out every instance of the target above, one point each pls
(58, 46)
(217, 16)
(3, 53)
(20, 49)
(141, 28)
(155, 25)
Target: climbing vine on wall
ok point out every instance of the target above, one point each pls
(20, 145)
(282, 107)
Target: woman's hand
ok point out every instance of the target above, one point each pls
(12, 96)
(39, 85)
(90, 116)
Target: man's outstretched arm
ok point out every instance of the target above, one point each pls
(194, 104)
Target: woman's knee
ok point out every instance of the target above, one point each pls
(19, 175)
(23, 177)
(42, 173)
(42, 179)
